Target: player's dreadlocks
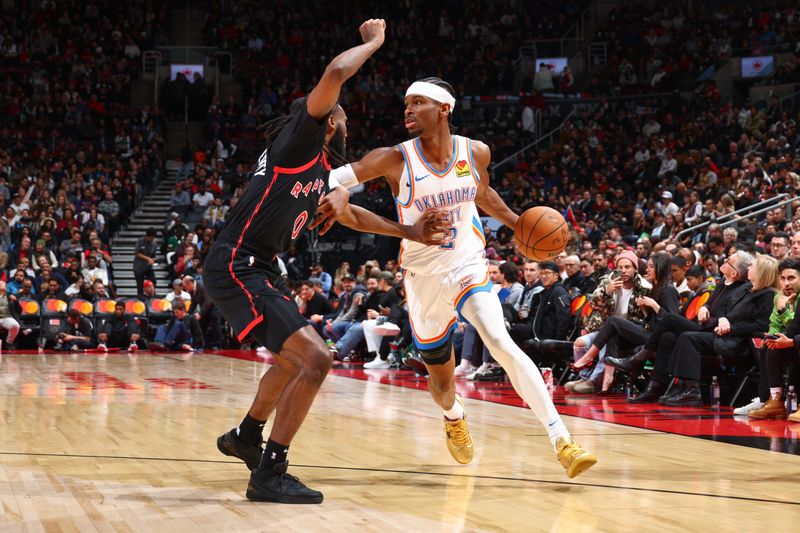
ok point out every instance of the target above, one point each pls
(273, 127)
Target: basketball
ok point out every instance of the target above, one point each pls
(541, 233)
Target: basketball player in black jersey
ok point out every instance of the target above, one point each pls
(242, 277)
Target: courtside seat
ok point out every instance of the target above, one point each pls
(54, 318)
(103, 310)
(137, 309)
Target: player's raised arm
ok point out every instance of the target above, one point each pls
(487, 198)
(430, 229)
(325, 95)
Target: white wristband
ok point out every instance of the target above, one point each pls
(342, 176)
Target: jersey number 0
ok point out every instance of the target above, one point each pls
(299, 222)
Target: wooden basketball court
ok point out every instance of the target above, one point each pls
(127, 443)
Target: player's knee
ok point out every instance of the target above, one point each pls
(497, 340)
(317, 364)
(439, 355)
(579, 344)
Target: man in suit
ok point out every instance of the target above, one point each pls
(662, 340)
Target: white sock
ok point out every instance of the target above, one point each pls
(484, 311)
(454, 413)
(775, 392)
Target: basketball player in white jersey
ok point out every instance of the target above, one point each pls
(436, 170)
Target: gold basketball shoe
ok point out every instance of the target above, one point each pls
(458, 440)
(572, 457)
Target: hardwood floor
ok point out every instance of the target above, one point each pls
(123, 443)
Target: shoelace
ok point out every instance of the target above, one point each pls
(290, 477)
(574, 452)
(459, 434)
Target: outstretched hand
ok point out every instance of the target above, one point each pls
(330, 208)
(431, 228)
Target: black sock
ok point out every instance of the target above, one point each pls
(274, 453)
(250, 430)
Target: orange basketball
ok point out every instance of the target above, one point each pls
(541, 233)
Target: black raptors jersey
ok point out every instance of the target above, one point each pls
(282, 197)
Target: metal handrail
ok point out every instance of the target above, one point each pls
(534, 143)
(578, 29)
(793, 96)
(761, 49)
(754, 213)
(731, 214)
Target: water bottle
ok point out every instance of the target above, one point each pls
(715, 393)
(791, 400)
(628, 389)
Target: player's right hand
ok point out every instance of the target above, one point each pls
(373, 30)
(613, 285)
(432, 227)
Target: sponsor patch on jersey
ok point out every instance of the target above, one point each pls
(462, 169)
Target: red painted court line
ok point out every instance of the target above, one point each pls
(679, 421)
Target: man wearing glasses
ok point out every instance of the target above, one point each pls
(779, 246)
(664, 336)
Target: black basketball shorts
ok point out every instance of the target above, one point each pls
(252, 296)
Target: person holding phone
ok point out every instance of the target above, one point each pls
(663, 338)
(638, 303)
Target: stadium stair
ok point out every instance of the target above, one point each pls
(152, 213)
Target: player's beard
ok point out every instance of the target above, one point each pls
(337, 145)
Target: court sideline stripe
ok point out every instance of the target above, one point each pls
(419, 473)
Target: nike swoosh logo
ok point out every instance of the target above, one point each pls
(420, 178)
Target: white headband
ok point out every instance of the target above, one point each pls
(432, 91)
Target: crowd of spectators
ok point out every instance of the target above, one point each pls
(75, 157)
(628, 175)
(420, 41)
(662, 49)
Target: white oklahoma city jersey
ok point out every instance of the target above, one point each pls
(423, 188)
(439, 279)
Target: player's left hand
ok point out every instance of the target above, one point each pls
(431, 228)
(331, 206)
